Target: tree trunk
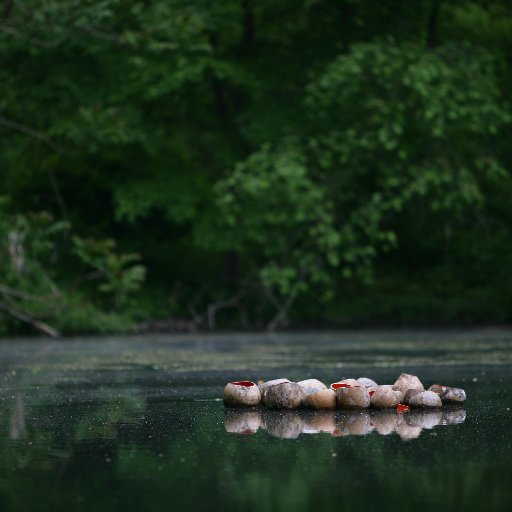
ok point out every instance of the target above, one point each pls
(433, 25)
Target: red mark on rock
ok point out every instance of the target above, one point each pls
(338, 385)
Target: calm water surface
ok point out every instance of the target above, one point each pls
(137, 424)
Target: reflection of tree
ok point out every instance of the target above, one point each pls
(62, 436)
(17, 428)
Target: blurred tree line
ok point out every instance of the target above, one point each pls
(254, 163)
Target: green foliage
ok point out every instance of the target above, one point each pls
(28, 255)
(117, 274)
(277, 217)
(32, 248)
(422, 130)
(256, 154)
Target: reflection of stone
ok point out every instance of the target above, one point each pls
(453, 416)
(406, 431)
(449, 395)
(425, 399)
(286, 424)
(316, 422)
(283, 424)
(355, 423)
(18, 428)
(424, 419)
(241, 393)
(242, 422)
(287, 395)
(385, 422)
(324, 399)
(353, 398)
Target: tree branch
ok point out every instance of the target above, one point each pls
(432, 25)
(214, 307)
(8, 4)
(23, 317)
(12, 292)
(40, 43)
(43, 137)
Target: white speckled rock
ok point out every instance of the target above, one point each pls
(385, 397)
(367, 383)
(406, 382)
(242, 422)
(425, 399)
(310, 386)
(241, 393)
(449, 395)
(323, 399)
(356, 397)
(266, 385)
(287, 395)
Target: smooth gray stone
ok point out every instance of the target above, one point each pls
(323, 399)
(311, 386)
(406, 382)
(408, 395)
(425, 399)
(356, 397)
(385, 397)
(367, 383)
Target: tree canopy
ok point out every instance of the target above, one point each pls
(254, 163)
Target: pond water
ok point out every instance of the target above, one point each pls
(138, 424)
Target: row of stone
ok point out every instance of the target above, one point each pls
(349, 394)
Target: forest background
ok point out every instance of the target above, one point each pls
(251, 164)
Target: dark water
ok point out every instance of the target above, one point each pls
(137, 424)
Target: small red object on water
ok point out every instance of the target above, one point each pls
(402, 408)
(244, 383)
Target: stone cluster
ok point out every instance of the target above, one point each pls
(348, 394)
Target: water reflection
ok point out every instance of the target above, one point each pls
(291, 424)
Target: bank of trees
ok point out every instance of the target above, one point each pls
(259, 163)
